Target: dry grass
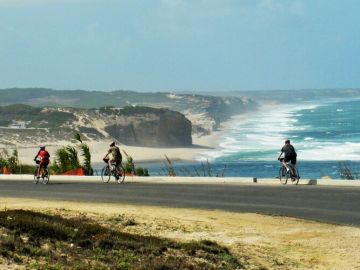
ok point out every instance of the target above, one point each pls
(39, 240)
(257, 241)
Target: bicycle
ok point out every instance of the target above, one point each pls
(293, 174)
(108, 171)
(44, 174)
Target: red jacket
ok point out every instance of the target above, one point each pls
(43, 155)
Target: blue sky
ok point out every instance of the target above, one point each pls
(180, 45)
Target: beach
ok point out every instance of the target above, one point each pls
(248, 144)
(140, 154)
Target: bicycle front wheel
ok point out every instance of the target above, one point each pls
(105, 174)
(121, 175)
(283, 175)
(36, 180)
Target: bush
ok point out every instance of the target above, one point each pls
(27, 169)
(141, 171)
(129, 166)
(10, 162)
(66, 158)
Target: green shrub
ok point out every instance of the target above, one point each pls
(66, 158)
(129, 165)
(10, 162)
(141, 171)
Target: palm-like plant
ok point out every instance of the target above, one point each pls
(77, 137)
(85, 154)
(66, 158)
(87, 159)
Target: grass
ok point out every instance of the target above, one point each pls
(38, 240)
(204, 170)
(348, 173)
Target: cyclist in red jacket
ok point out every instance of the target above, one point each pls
(42, 158)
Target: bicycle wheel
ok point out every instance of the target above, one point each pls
(105, 174)
(45, 176)
(295, 178)
(283, 175)
(36, 180)
(121, 175)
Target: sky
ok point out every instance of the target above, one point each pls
(180, 45)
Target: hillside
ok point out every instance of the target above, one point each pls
(206, 112)
(140, 126)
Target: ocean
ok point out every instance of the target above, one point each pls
(326, 136)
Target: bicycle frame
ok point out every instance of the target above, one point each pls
(113, 170)
(43, 173)
(284, 175)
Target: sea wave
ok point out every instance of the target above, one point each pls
(330, 151)
(261, 136)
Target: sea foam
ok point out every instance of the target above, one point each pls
(261, 136)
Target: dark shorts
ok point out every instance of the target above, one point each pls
(291, 158)
(117, 162)
(44, 163)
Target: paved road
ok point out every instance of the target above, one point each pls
(326, 203)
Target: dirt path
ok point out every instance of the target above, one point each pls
(263, 242)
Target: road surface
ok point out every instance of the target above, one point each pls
(340, 205)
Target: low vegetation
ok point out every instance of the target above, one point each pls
(34, 117)
(66, 158)
(43, 241)
(204, 169)
(130, 167)
(12, 163)
(348, 173)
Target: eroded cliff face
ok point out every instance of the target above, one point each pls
(158, 128)
(137, 126)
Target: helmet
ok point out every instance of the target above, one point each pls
(287, 141)
(112, 144)
(42, 147)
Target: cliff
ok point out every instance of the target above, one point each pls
(206, 112)
(162, 128)
(138, 126)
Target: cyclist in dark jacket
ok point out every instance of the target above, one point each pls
(287, 154)
(113, 155)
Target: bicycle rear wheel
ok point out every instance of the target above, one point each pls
(105, 174)
(121, 175)
(45, 176)
(295, 178)
(283, 175)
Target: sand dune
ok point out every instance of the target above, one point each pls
(140, 154)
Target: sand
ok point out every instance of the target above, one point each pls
(140, 154)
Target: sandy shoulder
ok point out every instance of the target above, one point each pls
(262, 241)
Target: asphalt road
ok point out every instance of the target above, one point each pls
(340, 205)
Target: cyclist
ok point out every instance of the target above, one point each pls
(42, 158)
(287, 154)
(113, 156)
